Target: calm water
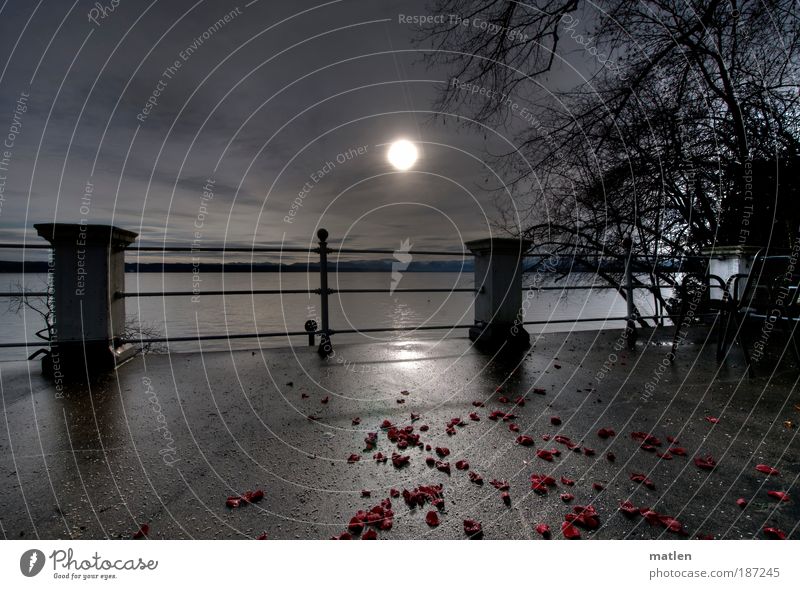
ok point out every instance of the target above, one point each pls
(179, 316)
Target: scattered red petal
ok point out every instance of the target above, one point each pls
(672, 440)
(741, 502)
(353, 458)
(545, 455)
(356, 421)
(262, 536)
(475, 478)
(546, 437)
(513, 427)
(555, 420)
(414, 416)
(432, 519)
(543, 530)
(366, 493)
(253, 496)
(606, 433)
(710, 419)
(610, 456)
(525, 441)
(519, 401)
(539, 391)
(325, 400)
(500, 485)
(443, 466)
(505, 497)
(399, 461)
(142, 532)
(567, 497)
(775, 533)
(423, 428)
(473, 529)
(557, 366)
(503, 400)
(677, 451)
(637, 477)
(628, 509)
(356, 526)
(478, 404)
(566, 481)
(303, 396)
(645, 438)
(462, 465)
(598, 486)
(779, 495)
(705, 462)
(233, 502)
(443, 451)
(474, 416)
(370, 534)
(768, 470)
(664, 455)
(570, 532)
(343, 536)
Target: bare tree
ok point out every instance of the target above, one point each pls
(690, 115)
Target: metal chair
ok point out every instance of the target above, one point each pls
(695, 302)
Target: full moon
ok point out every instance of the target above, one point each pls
(402, 154)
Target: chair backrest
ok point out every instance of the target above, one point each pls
(771, 284)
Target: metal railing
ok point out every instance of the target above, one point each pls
(324, 331)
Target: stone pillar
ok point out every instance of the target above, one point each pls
(88, 273)
(498, 302)
(725, 261)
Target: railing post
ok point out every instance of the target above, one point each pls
(630, 328)
(88, 275)
(498, 303)
(325, 347)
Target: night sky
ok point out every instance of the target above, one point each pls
(152, 117)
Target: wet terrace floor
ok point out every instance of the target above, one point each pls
(168, 438)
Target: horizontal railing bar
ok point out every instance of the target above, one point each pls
(394, 251)
(194, 338)
(21, 293)
(181, 293)
(256, 250)
(25, 246)
(24, 344)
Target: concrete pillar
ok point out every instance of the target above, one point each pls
(725, 261)
(88, 272)
(498, 303)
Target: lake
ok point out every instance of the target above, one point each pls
(179, 316)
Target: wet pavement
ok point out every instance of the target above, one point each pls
(167, 438)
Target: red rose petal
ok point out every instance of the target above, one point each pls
(353, 458)
(638, 477)
(606, 433)
(356, 526)
(543, 530)
(677, 451)
(779, 495)
(443, 452)
(423, 428)
(610, 456)
(545, 455)
(432, 519)
(473, 529)
(253, 496)
(476, 478)
(443, 466)
(233, 502)
(262, 536)
(500, 485)
(567, 497)
(503, 400)
(645, 438)
(356, 421)
(525, 440)
(539, 391)
(519, 401)
(768, 470)
(628, 509)
(366, 493)
(474, 416)
(399, 461)
(142, 532)
(710, 419)
(462, 465)
(343, 536)
(741, 502)
(775, 533)
(664, 455)
(597, 486)
(505, 497)
(555, 420)
(570, 532)
(705, 462)
(325, 400)
(478, 404)
(370, 534)
(588, 451)
(566, 481)
(513, 427)
(672, 440)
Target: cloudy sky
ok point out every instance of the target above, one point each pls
(143, 104)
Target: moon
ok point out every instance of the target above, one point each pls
(402, 154)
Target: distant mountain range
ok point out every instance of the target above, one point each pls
(351, 266)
